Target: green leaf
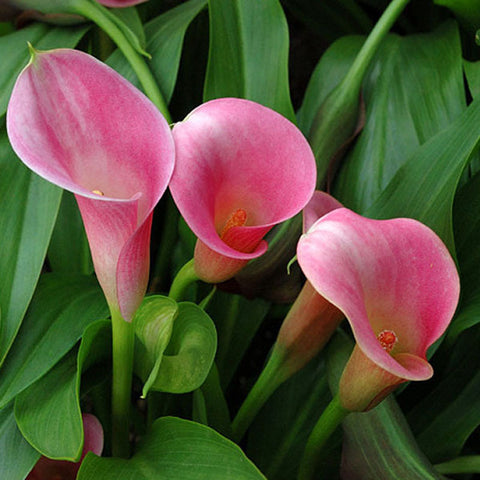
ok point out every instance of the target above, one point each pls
(175, 449)
(329, 72)
(153, 323)
(62, 307)
(424, 187)
(248, 55)
(165, 36)
(129, 16)
(397, 456)
(68, 250)
(277, 446)
(472, 73)
(189, 356)
(451, 410)
(18, 457)
(414, 89)
(237, 320)
(48, 412)
(27, 216)
(14, 52)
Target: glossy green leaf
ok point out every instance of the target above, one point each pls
(68, 250)
(424, 187)
(451, 410)
(248, 55)
(14, 52)
(472, 74)
(27, 216)
(175, 449)
(237, 320)
(376, 444)
(189, 356)
(48, 412)
(414, 89)
(129, 16)
(18, 457)
(164, 36)
(278, 434)
(328, 73)
(62, 307)
(153, 324)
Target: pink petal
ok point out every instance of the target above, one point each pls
(319, 205)
(80, 125)
(236, 154)
(384, 275)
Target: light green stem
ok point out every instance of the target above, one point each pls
(184, 278)
(268, 381)
(123, 336)
(98, 15)
(328, 422)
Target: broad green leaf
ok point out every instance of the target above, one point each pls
(165, 36)
(237, 320)
(379, 443)
(68, 250)
(424, 187)
(278, 434)
(27, 216)
(14, 51)
(328, 73)
(451, 411)
(48, 412)
(175, 449)
(153, 323)
(414, 89)
(189, 356)
(62, 307)
(472, 73)
(248, 55)
(467, 236)
(18, 457)
(129, 16)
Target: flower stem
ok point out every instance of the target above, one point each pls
(268, 381)
(467, 464)
(328, 422)
(184, 278)
(102, 17)
(123, 336)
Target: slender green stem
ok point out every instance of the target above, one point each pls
(328, 422)
(205, 302)
(467, 464)
(268, 381)
(99, 15)
(123, 336)
(382, 27)
(225, 329)
(184, 278)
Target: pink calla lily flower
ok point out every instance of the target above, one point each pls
(80, 125)
(240, 169)
(48, 469)
(396, 283)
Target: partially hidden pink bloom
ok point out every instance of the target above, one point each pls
(83, 127)
(312, 319)
(240, 169)
(397, 285)
(48, 469)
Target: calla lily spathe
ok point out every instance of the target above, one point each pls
(80, 125)
(396, 283)
(241, 168)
